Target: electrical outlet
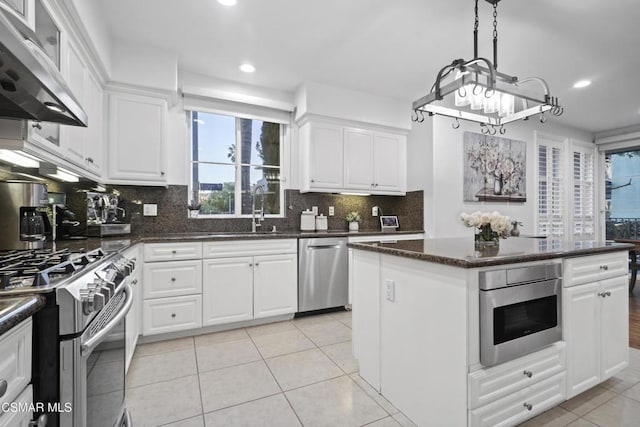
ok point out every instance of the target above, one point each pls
(150, 209)
(314, 209)
(390, 286)
(332, 211)
(374, 211)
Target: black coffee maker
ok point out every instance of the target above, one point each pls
(24, 223)
(67, 225)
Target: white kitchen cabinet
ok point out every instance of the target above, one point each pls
(321, 157)
(275, 285)
(244, 288)
(15, 363)
(154, 252)
(172, 278)
(137, 139)
(595, 327)
(73, 137)
(228, 290)
(343, 159)
(163, 315)
(23, 416)
(94, 134)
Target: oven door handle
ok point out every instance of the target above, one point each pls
(89, 345)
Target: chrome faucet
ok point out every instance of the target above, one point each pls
(257, 221)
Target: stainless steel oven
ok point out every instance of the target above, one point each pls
(520, 311)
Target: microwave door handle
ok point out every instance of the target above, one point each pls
(89, 345)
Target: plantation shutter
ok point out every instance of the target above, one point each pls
(583, 222)
(550, 188)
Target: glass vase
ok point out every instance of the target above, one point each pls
(486, 238)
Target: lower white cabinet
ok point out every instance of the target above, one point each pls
(595, 322)
(521, 405)
(244, 288)
(173, 314)
(172, 278)
(19, 417)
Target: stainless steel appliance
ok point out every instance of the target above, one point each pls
(32, 87)
(105, 216)
(88, 297)
(322, 273)
(520, 311)
(24, 222)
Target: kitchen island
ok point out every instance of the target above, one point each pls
(416, 327)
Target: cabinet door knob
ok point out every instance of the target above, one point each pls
(601, 294)
(313, 180)
(37, 126)
(375, 185)
(608, 294)
(529, 406)
(173, 315)
(528, 374)
(162, 173)
(257, 264)
(173, 252)
(173, 279)
(250, 264)
(3, 387)
(40, 422)
(604, 267)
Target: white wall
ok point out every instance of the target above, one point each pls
(95, 29)
(444, 183)
(144, 66)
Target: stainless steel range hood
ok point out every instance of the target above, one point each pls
(31, 87)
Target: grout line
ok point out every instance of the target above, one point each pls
(195, 353)
(162, 352)
(159, 382)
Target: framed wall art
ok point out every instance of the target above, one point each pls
(494, 169)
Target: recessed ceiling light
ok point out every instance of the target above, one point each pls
(582, 83)
(227, 2)
(247, 68)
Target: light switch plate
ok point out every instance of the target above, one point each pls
(150, 209)
(390, 287)
(314, 209)
(374, 211)
(332, 211)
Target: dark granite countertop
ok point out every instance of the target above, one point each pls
(14, 310)
(460, 252)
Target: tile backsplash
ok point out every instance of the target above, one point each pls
(173, 215)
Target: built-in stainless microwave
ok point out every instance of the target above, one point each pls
(520, 311)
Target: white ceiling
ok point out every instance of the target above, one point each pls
(395, 48)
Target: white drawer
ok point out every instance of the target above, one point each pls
(522, 405)
(488, 385)
(171, 279)
(234, 248)
(164, 315)
(15, 360)
(595, 267)
(16, 415)
(172, 251)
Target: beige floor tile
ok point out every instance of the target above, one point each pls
(633, 392)
(270, 328)
(316, 319)
(191, 422)
(554, 417)
(302, 368)
(581, 422)
(218, 337)
(161, 367)
(273, 411)
(225, 354)
(385, 422)
(342, 355)
(280, 343)
(343, 317)
(623, 380)
(403, 420)
(619, 411)
(337, 402)
(161, 403)
(163, 346)
(238, 384)
(380, 400)
(327, 332)
(587, 401)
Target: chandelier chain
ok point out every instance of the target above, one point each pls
(495, 21)
(477, 21)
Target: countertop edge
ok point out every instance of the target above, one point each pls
(487, 262)
(31, 305)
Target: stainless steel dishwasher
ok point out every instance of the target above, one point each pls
(323, 273)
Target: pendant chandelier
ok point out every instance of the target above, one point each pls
(475, 91)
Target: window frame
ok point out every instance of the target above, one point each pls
(238, 164)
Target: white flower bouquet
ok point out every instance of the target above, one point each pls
(489, 225)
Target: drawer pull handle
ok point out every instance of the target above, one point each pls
(604, 294)
(529, 406)
(173, 279)
(257, 264)
(250, 265)
(608, 293)
(3, 387)
(174, 251)
(528, 374)
(173, 315)
(40, 422)
(604, 267)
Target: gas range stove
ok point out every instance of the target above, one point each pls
(38, 271)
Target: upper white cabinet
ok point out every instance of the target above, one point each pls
(83, 145)
(339, 158)
(137, 139)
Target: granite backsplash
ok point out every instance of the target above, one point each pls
(173, 215)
